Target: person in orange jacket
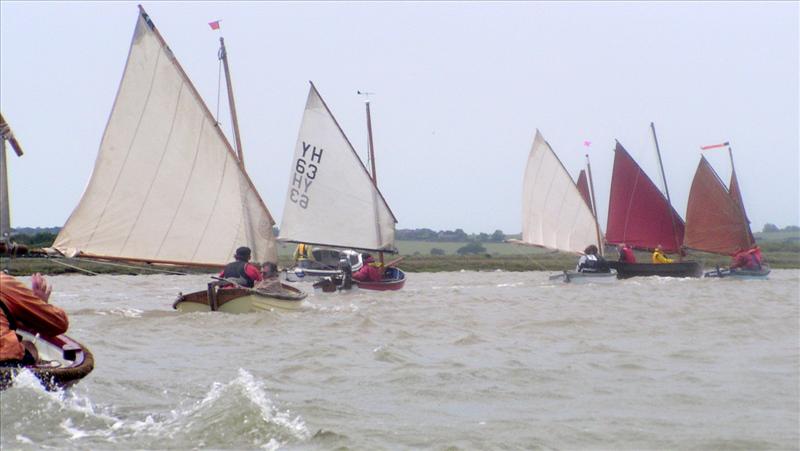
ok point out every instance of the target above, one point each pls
(26, 308)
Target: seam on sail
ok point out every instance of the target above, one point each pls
(130, 146)
(214, 205)
(158, 170)
(185, 185)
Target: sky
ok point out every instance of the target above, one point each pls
(459, 91)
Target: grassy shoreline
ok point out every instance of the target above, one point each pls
(532, 261)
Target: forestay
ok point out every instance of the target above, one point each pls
(166, 186)
(554, 213)
(332, 199)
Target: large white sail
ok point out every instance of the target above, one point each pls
(166, 186)
(554, 214)
(331, 198)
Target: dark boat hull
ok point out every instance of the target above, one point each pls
(63, 362)
(677, 269)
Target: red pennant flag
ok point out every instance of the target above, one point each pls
(587, 143)
(214, 25)
(714, 146)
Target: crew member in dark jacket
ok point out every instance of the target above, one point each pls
(591, 262)
(240, 271)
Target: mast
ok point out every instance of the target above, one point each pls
(223, 55)
(5, 214)
(740, 202)
(374, 175)
(594, 206)
(666, 191)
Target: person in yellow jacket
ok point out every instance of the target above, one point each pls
(301, 255)
(659, 257)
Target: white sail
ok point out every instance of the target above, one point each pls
(554, 214)
(166, 186)
(331, 198)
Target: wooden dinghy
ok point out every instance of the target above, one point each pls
(585, 277)
(676, 269)
(240, 300)
(62, 362)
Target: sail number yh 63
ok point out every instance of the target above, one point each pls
(305, 171)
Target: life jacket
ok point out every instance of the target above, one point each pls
(592, 263)
(235, 271)
(302, 251)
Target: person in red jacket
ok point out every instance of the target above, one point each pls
(240, 270)
(747, 259)
(26, 308)
(626, 254)
(368, 272)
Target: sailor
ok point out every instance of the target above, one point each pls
(27, 308)
(626, 254)
(271, 281)
(368, 271)
(591, 262)
(747, 259)
(240, 271)
(659, 257)
(301, 255)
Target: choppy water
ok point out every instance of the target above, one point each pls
(454, 361)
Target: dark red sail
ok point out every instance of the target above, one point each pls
(583, 187)
(714, 221)
(736, 195)
(638, 213)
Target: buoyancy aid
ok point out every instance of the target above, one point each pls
(235, 271)
(591, 263)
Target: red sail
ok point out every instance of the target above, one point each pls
(638, 214)
(714, 221)
(736, 195)
(583, 187)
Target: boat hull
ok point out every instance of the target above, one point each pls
(327, 263)
(728, 273)
(677, 269)
(240, 300)
(585, 277)
(394, 279)
(63, 362)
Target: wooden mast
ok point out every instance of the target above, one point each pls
(5, 213)
(666, 190)
(223, 55)
(594, 207)
(371, 148)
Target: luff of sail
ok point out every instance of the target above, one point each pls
(554, 213)
(167, 186)
(331, 199)
(736, 195)
(638, 213)
(714, 221)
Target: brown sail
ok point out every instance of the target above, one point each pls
(714, 220)
(736, 195)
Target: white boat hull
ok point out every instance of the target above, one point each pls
(585, 277)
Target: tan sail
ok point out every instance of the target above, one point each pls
(166, 186)
(554, 213)
(331, 199)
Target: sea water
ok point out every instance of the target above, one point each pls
(460, 360)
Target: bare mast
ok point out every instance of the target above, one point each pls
(594, 207)
(5, 214)
(666, 190)
(374, 175)
(223, 55)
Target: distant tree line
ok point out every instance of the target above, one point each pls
(773, 228)
(451, 236)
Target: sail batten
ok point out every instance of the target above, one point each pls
(166, 186)
(638, 213)
(714, 221)
(331, 197)
(554, 213)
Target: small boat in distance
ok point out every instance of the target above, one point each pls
(642, 217)
(167, 187)
(716, 221)
(555, 215)
(334, 202)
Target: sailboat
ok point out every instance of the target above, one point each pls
(332, 200)
(716, 221)
(167, 187)
(62, 361)
(641, 216)
(555, 215)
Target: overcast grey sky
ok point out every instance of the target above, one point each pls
(460, 89)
